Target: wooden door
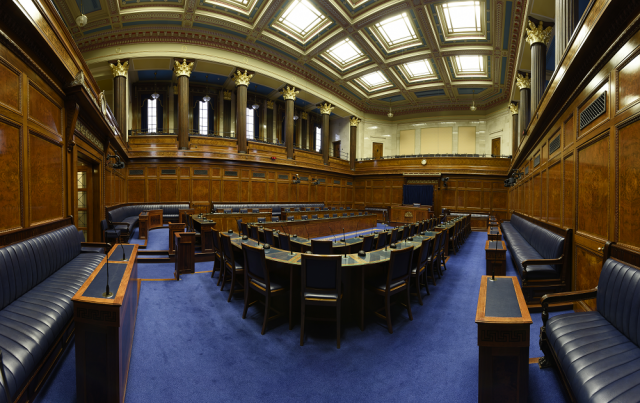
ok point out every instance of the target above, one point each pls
(377, 150)
(495, 146)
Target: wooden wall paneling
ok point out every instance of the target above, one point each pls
(602, 119)
(11, 171)
(544, 199)
(568, 132)
(593, 187)
(216, 190)
(230, 190)
(473, 198)
(627, 202)
(169, 189)
(44, 110)
(569, 192)
(587, 268)
(200, 190)
(152, 190)
(185, 193)
(244, 191)
(460, 199)
(136, 190)
(554, 186)
(10, 86)
(46, 176)
(628, 82)
(536, 202)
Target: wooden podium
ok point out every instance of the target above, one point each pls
(104, 328)
(503, 339)
(148, 220)
(496, 256)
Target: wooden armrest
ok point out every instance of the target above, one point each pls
(121, 223)
(535, 262)
(562, 297)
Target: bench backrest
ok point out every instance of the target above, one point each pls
(120, 213)
(619, 297)
(548, 244)
(25, 264)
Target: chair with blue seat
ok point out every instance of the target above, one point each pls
(259, 281)
(314, 217)
(275, 219)
(367, 243)
(239, 222)
(326, 216)
(284, 241)
(382, 240)
(243, 210)
(359, 212)
(262, 220)
(268, 236)
(351, 214)
(245, 229)
(319, 247)
(419, 271)
(290, 218)
(256, 210)
(231, 267)
(227, 211)
(254, 233)
(321, 285)
(397, 280)
(335, 215)
(109, 235)
(393, 236)
(218, 265)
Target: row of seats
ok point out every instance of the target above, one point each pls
(276, 208)
(125, 218)
(38, 278)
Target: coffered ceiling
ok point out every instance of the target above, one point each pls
(417, 56)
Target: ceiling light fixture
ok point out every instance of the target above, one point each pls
(295, 117)
(473, 105)
(390, 114)
(255, 105)
(206, 98)
(82, 19)
(155, 94)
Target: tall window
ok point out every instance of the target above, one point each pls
(203, 113)
(152, 115)
(250, 123)
(318, 139)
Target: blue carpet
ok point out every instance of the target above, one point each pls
(158, 239)
(191, 345)
(165, 270)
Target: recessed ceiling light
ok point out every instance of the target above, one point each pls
(419, 70)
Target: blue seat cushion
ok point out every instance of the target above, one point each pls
(601, 364)
(522, 250)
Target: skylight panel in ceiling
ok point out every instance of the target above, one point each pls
(463, 20)
(242, 6)
(469, 66)
(301, 20)
(419, 70)
(374, 81)
(345, 54)
(396, 33)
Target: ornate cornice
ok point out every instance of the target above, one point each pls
(523, 81)
(86, 133)
(183, 69)
(269, 104)
(120, 70)
(513, 108)
(538, 34)
(326, 108)
(289, 93)
(226, 95)
(241, 78)
(353, 121)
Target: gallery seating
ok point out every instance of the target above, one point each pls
(598, 352)
(38, 278)
(541, 255)
(127, 215)
(382, 213)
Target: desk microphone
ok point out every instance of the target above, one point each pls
(344, 238)
(124, 255)
(357, 230)
(306, 230)
(334, 237)
(107, 293)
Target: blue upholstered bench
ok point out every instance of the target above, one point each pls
(597, 352)
(541, 254)
(126, 217)
(38, 278)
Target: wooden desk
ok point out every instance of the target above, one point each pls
(494, 234)
(496, 255)
(324, 226)
(205, 227)
(148, 220)
(185, 246)
(184, 214)
(173, 229)
(104, 328)
(226, 222)
(409, 214)
(503, 340)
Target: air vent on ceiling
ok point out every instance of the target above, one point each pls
(591, 113)
(259, 175)
(536, 161)
(230, 173)
(526, 170)
(200, 172)
(136, 172)
(283, 176)
(349, 183)
(168, 172)
(554, 145)
(336, 182)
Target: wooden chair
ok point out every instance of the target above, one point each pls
(321, 247)
(321, 285)
(258, 280)
(382, 240)
(268, 236)
(419, 272)
(239, 222)
(245, 229)
(394, 236)
(441, 257)
(367, 243)
(433, 261)
(254, 234)
(398, 279)
(235, 270)
(217, 255)
(284, 241)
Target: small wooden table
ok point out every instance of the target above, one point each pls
(148, 220)
(496, 255)
(205, 226)
(503, 340)
(185, 247)
(104, 328)
(494, 234)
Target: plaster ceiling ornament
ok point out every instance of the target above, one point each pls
(513, 108)
(226, 95)
(289, 93)
(269, 104)
(183, 69)
(523, 81)
(120, 70)
(326, 108)
(538, 34)
(241, 78)
(354, 121)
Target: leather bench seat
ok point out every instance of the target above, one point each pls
(527, 241)
(598, 351)
(129, 214)
(38, 278)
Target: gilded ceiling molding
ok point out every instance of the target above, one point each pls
(270, 105)
(523, 82)
(538, 34)
(183, 69)
(513, 108)
(241, 78)
(120, 70)
(226, 95)
(289, 93)
(354, 121)
(304, 116)
(326, 108)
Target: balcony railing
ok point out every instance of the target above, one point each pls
(173, 132)
(387, 157)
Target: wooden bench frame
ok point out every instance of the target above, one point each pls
(38, 378)
(533, 288)
(550, 359)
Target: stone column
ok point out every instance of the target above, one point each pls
(270, 128)
(242, 81)
(353, 127)
(513, 108)
(566, 20)
(289, 95)
(539, 38)
(183, 72)
(524, 83)
(325, 110)
(120, 72)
